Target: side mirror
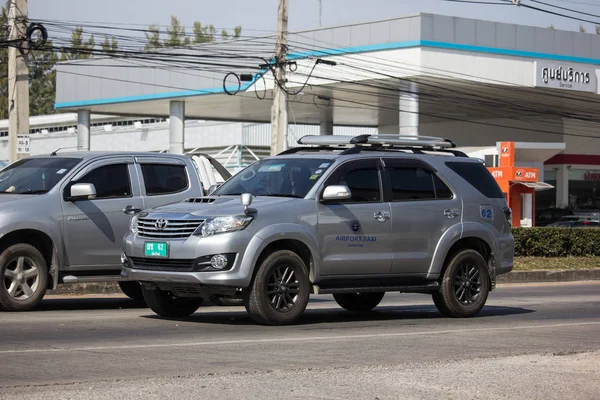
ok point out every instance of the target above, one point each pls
(246, 202)
(83, 191)
(212, 188)
(337, 192)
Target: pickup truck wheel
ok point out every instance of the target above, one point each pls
(23, 278)
(166, 305)
(465, 286)
(132, 289)
(359, 301)
(280, 290)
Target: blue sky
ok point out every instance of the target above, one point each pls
(260, 15)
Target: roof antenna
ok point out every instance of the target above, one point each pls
(63, 148)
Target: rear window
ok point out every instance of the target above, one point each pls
(478, 176)
(164, 178)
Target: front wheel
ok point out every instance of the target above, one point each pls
(465, 286)
(359, 301)
(280, 290)
(166, 305)
(23, 278)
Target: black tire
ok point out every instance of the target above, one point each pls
(227, 301)
(23, 278)
(360, 302)
(465, 285)
(285, 273)
(166, 305)
(132, 289)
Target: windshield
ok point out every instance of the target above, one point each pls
(35, 175)
(292, 177)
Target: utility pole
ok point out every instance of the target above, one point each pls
(18, 82)
(279, 117)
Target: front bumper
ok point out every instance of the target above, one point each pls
(237, 244)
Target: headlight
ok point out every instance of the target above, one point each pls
(133, 225)
(213, 226)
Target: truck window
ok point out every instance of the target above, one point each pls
(478, 176)
(164, 178)
(111, 181)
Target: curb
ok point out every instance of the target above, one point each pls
(571, 275)
(76, 289)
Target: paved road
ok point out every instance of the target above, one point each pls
(530, 341)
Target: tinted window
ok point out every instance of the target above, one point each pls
(362, 181)
(441, 190)
(478, 176)
(110, 181)
(411, 184)
(164, 179)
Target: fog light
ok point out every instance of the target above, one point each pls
(218, 261)
(124, 259)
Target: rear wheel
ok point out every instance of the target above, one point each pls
(132, 289)
(280, 290)
(359, 301)
(465, 286)
(23, 278)
(166, 305)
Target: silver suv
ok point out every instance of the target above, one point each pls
(354, 217)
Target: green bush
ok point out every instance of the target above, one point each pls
(557, 242)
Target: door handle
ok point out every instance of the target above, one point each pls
(381, 216)
(130, 210)
(451, 213)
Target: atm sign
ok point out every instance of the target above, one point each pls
(526, 174)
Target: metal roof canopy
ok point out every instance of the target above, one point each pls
(532, 152)
(145, 88)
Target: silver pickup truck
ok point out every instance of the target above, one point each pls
(63, 216)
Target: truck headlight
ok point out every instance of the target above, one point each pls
(216, 225)
(133, 225)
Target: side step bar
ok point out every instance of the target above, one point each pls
(425, 288)
(86, 279)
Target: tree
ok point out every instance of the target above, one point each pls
(237, 32)
(110, 45)
(153, 38)
(79, 48)
(42, 80)
(551, 26)
(224, 34)
(176, 36)
(582, 29)
(597, 29)
(204, 34)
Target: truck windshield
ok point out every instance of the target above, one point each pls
(35, 175)
(292, 177)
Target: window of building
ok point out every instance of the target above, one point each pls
(164, 178)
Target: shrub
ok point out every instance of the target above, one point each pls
(557, 242)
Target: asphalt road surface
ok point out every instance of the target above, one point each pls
(530, 341)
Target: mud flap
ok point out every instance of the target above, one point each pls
(492, 271)
(53, 270)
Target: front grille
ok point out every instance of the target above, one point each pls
(162, 264)
(174, 228)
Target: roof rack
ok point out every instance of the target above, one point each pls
(424, 142)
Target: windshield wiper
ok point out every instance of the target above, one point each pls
(294, 196)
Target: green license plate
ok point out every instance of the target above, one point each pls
(156, 249)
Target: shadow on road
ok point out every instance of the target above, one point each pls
(336, 315)
(97, 303)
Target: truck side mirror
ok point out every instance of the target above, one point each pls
(337, 192)
(83, 191)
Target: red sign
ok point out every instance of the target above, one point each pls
(591, 176)
(507, 154)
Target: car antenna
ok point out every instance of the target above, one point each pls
(63, 148)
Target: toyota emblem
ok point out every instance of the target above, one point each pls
(161, 224)
(355, 226)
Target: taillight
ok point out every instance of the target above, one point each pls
(508, 215)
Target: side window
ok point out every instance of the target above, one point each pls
(478, 176)
(164, 178)
(442, 192)
(363, 181)
(111, 181)
(409, 183)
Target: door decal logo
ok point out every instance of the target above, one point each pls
(161, 224)
(355, 226)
